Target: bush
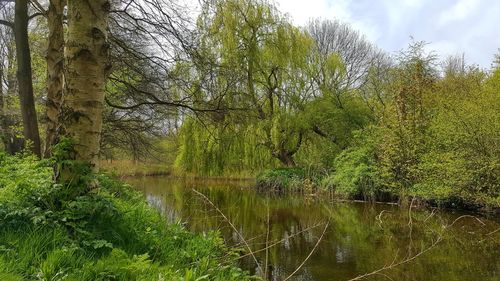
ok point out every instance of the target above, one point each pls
(282, 179)
(355, 170)
(50, 232)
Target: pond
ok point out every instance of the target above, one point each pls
(330, 240)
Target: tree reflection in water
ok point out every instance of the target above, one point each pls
(361, 237)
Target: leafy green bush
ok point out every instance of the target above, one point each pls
(49, 231)
(282, 179)
(355, 170)
(462, 157)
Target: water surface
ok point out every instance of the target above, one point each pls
(360, 237)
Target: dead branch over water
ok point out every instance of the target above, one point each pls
(268, 245)
(409, 257)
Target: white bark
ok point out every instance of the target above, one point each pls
(87, 68)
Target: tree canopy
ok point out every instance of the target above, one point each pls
(237, 89)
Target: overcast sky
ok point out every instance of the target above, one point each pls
(452, 27)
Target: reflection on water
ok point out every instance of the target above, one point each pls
(360, 238)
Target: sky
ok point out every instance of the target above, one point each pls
(451, 27)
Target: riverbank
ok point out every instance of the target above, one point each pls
(299, 180)
(108, 232)
(129, 168)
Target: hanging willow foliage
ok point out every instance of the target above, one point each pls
(215, 150)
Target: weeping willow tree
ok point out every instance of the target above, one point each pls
(277, 82)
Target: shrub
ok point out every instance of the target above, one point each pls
(282, 179)
(355, 170)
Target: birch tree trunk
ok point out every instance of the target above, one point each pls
(25, 82)
(87, 67)
(55, 68)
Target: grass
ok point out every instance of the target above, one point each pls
(50, 231)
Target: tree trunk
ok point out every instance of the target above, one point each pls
(286, 155)
(87, 68)
(13, 144)
(3, 129)
(30, 121)
(286, 159)
(55, 67)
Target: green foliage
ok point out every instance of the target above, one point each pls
(434, 137)
(338, 117)
(462, 158)
(411, 86)
(284, 179)
(355, 172)
(14, 171)
(229, 150)
(271, 78)
(109, 233)
(285, 87)
(496, 63)
(414, 133)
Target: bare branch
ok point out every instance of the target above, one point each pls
(310, 253)
(7, 23)
(232, 226)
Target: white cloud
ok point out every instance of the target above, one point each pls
(460, 11)
(451, 26)
(413, 3)
(302, 11)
